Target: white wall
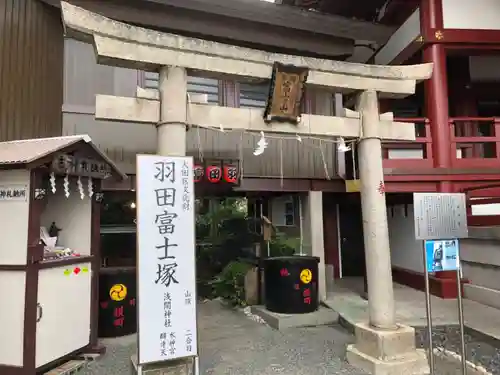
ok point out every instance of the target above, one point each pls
(471, 14)
(406, 251)
(312, 205)
(401, 39)
(72, 215)
(12, 293)
(14, 220)
(479, 209)
(65, 323)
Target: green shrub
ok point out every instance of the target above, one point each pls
(230, 283)
(281, 245)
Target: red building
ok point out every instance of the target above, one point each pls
(456, 111)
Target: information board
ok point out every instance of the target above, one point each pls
(442, 255)
(440, 216)
(166, 259)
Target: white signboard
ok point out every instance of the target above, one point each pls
(166, 258)
(11, 193)
(440, 216)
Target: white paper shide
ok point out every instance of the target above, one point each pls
(166, 258)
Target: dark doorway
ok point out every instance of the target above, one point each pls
(351, 236)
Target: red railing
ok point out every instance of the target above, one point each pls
(416, 154)
(479, 196)
(474, 143)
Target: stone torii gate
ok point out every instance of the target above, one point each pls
(381, 345)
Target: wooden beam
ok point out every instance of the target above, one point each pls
(111, 108)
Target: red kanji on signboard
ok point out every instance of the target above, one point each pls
(284, 272)
(104, 305)
(214, 174)
(381, 188)
(119, 322)
(307, 300)
(132, 302)
(118, 313)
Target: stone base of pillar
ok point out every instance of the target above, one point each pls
(387, 352)
(181, 367)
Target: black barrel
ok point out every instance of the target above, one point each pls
(291, 284)
(117, 301)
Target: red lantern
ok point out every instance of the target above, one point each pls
(231, 174)
(198, 173)
(214, 174)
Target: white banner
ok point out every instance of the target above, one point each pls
(166, 258)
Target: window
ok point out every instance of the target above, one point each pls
(289, 214)
(196, 85)
(253, 95)
(283, 211)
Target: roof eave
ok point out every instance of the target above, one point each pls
(293, 30)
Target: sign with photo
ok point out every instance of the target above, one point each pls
(442, 255)
(166, 258)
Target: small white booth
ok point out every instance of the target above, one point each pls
(49, 250)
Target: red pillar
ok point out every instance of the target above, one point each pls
(437, 111)
(436, 89)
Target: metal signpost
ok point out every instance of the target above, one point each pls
(440, 221)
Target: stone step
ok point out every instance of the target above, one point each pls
(68, 368)
(483, 295)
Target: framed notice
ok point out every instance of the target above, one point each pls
(166, 259)
(440, 216)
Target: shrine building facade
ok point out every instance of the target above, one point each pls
(48, 84)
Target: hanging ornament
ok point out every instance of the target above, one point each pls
(66, 186)
(80, 188)
(90, 187)
(198, 173)
(214, 174)
(342, 147)
(231, 174)
(261, 145)
(53, 182)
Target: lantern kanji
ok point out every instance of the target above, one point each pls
(198, 172)
(231, 174)
(214, 174)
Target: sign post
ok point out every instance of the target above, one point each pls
(440, 221)
(167, 322)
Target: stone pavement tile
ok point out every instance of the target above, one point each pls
(410, 307)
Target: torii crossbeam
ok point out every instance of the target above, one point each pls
(119, 44)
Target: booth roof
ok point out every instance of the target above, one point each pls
(27, 151)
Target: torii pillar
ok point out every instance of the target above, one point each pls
(382, 346)
(173, 112)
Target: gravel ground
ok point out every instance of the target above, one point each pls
(234, 344)
(480, 350)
